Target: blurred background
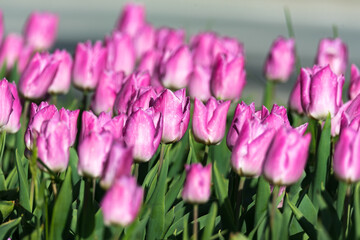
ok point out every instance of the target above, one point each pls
(255, 23)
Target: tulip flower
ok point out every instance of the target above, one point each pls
(142, 131)
(295, 98)
(286, 157)
(197, 185)
(201, 46)
(144, 40)
(228, 77)
(62, 79)
(132, 19)
(7, 102)
(105, 93)
(117, 165)
(143, 98)
(354, 87)
(13, 125)
(228, 46)
(122, 202)
(38, 76)
(175, 110)
(281, 60)
(150, 62)
(277, 118)
(321, 91)
(199, 83)
(24, 58)
(176, 68)
(333, 52)
(41, 29)
(89, 62)
(120, 53)
(70, 118)
(168, 39)
(209, 122)
(10, 50)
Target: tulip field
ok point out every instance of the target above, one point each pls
(144, 134)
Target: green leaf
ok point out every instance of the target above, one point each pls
(73, 162)
(262, 198)
(269, 94)
(2, 181)
(178, 226)
(23, 184)
(6, 207)
(174, 191)
(11, 179)
(169, 219)
(86, 223)
(7, 228)
(357, 210)
(61, 209)
(210, 222)
(341, 198)
(3, 70)
(237, 236)
(193, 147)
(185, 231)
(99, 225)
(136, 229)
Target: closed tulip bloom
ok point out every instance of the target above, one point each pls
(168, 39)
(38, 76)
(286, 157)
(346, 156)
(132, 19)
(121, 53)
(281, 60)
(122, 202)
(250, 148)
(277, 118)
(321, 91)
(229, 46)
(10, 50)
(41, 29)
(13, 125)
(89, 62)
(70, 118)
(142, 131)
(197, 184)
(150, 62)
(62, 79)
(209, 122)
(105, 93)
(354, 87)
(228, 77)
(333, 52)
(201, 46)
(93, 151)
(6, 102)
(144, 40)
(295, 98)
(175, 109)
(199, 83)
(346, 114)
(176, 68)
(53, 145)
(117, 165)
(24, 58)
(143, 98)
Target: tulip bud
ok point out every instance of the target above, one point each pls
(176, 68)
(150, 62)
(132, 19)
(24, 57)
(144, 40)
(62, 79)
(209, 122)
(122, 202)
(10, 50)
(281, 60)
(7, 101)
(143, 98)
(197, 185)
(105, 93)
(354, 87)
(333, 52)
(41, 29)
(121, 54)
(38, 76)
(318, 104)
(228, 77)
(88, 64)
(286, 157)
(70, 118)
(228, 46)
(143, 131)
(118, 164)
(277, 118)
(13, 125)
(199, 83)
(168, 39)
(295, 98)
(201, 47)
(346, 114)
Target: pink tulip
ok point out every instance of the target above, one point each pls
(201, 46)
(132, 19)
(62, 79)
(198, 183)
(228, 77)
(122, 202)
(277, 118)
(41, 29)
(281, 60)
(199, 83)
(150, 62)
(209, 122)
(168, 39)
(89, 62)
(144, 40)
(24, 58)
(70, 118)
(333, 52)
(286, 157)
(13, 125)
(228, 46)
(143, 98)
(347, 113)
(10, 50)
(354, 87)
(6, 102)
(295, 98)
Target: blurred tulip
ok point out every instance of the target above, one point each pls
(142, 131)
(201, 46)
(199, 83)
(13, 125)
(132, 19)
(41, 29)
(89, 62)
(38, 76)
(277, 118)
(175, 110)
(321, 91)
(71, 119)
(150, 62)
(6, 102)
(62, 79)
(122, 202)
(144, 40)
(333, 52)
(280, 61)
(228, 46)
(346, 114)
(228, 77)
(198, 183)
(295, 98)
(286, 157)
(10, 50)
(354, 87)
(209, 122)
(25, 55)
(168, 39)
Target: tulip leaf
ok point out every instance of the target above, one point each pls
(11, 179)
(238, 236)
(86, 222)
(23, 184)
(341, 198)
(73, 162)
(185, 231)
(136, 229)
(99, 225)
(61, 209)
(177, 227)
(6, 207)
(174, 190)
(195, 158)
(210, 222)
(169, 220)
(357, 210)
(7, 228)
(262, 198)
(2, 181)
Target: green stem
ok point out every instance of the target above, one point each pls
(33, 170)
(85, 101)
(2, 145)
(53, 184)
(54, 99)
(93, 189)
(239, 199)
(345, 218)
(292, 35)
(275, 194)
(161, 160)
(206, 154)
(136, 170)
(269, 93)
(195, 226)
(335, 31)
